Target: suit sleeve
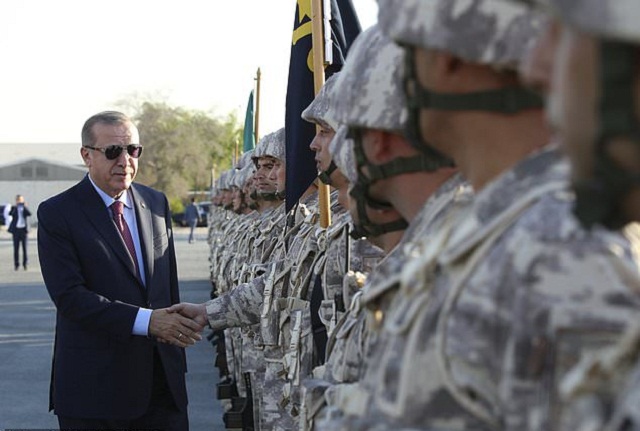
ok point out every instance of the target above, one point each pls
(61, 267)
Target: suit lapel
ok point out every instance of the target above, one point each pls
(98, 216)
(145, 230)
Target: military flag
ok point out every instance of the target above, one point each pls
(301, 168)
(248, 137)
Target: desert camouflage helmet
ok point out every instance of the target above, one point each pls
(611, 19)
(224, 180)
(245, 159)
(370, 84)
(271, 145)
(341, 150)
(493, 32)
(318, 112)
(241, 176)
(614, 23)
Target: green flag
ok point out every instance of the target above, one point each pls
(249, 137)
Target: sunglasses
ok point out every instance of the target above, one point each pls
(112, 152)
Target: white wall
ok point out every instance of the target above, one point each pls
(34, 192)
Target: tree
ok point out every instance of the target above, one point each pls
(181, 146)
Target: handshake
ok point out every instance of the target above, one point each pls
(180, 324)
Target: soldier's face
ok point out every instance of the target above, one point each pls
(434, 126)
(248, 189)
(262, 180)
(279, 175)
(320, 145)
(237, 199)
(227, 198)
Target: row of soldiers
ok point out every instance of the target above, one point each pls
(482, 268)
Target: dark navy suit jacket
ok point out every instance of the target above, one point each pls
(14, 218)
(101, 370)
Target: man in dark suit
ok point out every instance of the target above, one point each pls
(108, 261)
(19, 228)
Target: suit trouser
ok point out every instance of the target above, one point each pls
(192, 226)
(162, 413)
(20, 237)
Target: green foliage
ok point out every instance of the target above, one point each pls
(176, 205)
(182, 146)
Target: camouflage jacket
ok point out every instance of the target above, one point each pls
(350, 348)
(494, 311)
(602, 392)
(346, 355)
(242, 305)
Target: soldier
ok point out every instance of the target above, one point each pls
(498, 303)
(269, 158)
(243, 305)
(259, 233)
(236, 235)
(386, 168)
(589, 61)
(278, 297)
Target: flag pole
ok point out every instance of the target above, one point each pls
(236, 157)
(317, 35)
(257, 116)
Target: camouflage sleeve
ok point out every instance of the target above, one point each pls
(239, 307)
(609, 378)
(565, 315)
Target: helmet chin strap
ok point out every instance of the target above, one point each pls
(509, 100)
(598, 199)
(281, 194)
(360, 193)
(269, 196)
(325, 176)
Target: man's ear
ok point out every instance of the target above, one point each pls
(84, 153)
(383, 147)
(375, 146)
(446, 68)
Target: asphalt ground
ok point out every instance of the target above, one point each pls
(27, 319)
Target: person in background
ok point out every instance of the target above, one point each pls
(19, 229)
(192, 217)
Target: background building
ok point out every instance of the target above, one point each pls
(37, 179)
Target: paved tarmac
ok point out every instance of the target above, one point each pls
(27, 320)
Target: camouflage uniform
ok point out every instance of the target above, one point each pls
(603, 391)
(503, 298)
(235, 260)
(262, 234)
(256, 303)
(484, 344)
(286, 314)
(371, 84)
(292, 263)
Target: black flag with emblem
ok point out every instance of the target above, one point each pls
(345, 27)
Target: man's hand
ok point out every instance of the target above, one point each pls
(174, 328)
(197, 312)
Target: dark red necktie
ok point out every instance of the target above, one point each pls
(118, 216)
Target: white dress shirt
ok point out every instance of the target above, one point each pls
(141, 324)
